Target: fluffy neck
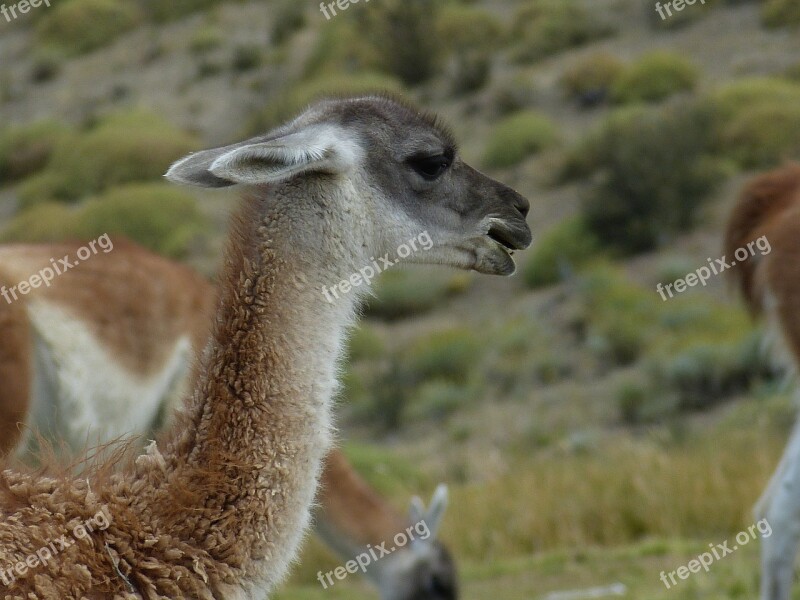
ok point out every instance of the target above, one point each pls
(240, 473)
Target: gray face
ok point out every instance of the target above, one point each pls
(400, 162)
(431, 576)
(475, 221)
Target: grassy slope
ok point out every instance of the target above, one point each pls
(522, 519)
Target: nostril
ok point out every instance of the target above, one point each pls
(522, 205)
(518, 201)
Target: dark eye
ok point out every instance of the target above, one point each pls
(430, 167)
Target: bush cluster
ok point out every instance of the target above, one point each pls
(156, 215)
(122, 148)
(590, 80)
(565, 248)
(80, 26)
(470, 35)
(758, 121)
(653, 171)
(26, 149)
(544, 27)
(654, 77)
(780, 13)
(517, 137)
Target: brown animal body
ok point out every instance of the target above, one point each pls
(769, 210)
(139, 310)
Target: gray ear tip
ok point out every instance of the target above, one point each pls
(442, 494)
(172, 173)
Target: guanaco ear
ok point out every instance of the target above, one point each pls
(316, 148)
(194, 169)
(321, 149)
(434, 515)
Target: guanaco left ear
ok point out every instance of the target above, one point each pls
(316, 148)
(434, 515)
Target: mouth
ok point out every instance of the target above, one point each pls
(508, 239)
(501, 240)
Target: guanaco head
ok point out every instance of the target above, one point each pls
(424, 570)
(385, 173)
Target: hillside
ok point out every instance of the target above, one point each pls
(591, 432)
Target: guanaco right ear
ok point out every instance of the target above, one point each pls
(434, 515)
(317, 148)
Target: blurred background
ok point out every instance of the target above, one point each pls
(590, 432)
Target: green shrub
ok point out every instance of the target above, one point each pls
(160, 11)
(594, 75)
(436, 400)
(26, 149)
(745, 94)
(45, 222)
(340, 49)
(780, 13)
(80, 26)
(46, 64)
(705, 373)
(155, 215)
(653, 174)
(449, 355)
(364, 344)
(757, 121)
(122, 148)
(469, 34)
(385, 470)
(518, 136)
(290, 17)
(403, 38)
(654, 77)
(764, 136)
(205, 39)
(515, 95)
(401, 293)
(246, 57)
(549, 26)
(621, 318)
(559, 252)
(291, 102)
(793, 72)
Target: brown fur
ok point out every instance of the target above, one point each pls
(186, 549)
(159, 301)
(186, 523)
(352, 507)
(770, 206)
(132, 326)
(15, 372)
